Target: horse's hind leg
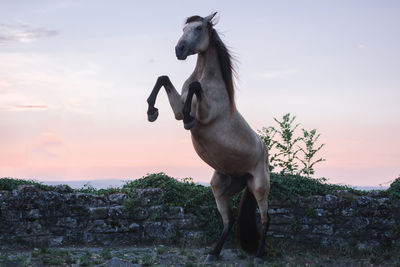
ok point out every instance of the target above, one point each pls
(173, 97)
(224, 187)
(260, 185)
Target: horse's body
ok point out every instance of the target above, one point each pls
(220, 135)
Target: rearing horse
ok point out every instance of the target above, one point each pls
(220, 135)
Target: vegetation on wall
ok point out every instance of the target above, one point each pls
(8, 184)
(394, 191)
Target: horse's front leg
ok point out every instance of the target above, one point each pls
(188, 120)
(173, 97)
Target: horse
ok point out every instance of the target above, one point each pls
(220, 135)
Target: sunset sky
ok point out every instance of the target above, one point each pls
(75, 75)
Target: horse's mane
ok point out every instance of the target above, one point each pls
(225, 60)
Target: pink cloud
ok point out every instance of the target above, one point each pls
(23, 107)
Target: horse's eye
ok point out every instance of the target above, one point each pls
(198, 28)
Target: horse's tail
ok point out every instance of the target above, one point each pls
(246, 229)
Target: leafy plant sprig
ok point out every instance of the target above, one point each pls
(284, 147)
(309, 139)
(286, 157)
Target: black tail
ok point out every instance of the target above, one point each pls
(246, 229)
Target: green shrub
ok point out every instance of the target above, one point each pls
(147, 260)
(9, 184)
(289, 186)
(106, 253)
(394, 191)
(132, 203)
(184, 193)
(89, 189)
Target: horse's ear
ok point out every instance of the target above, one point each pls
(210, 19)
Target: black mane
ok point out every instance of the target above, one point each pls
(225, 63)
(225, 60)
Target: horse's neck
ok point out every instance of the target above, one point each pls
(207, 66)
(208, 71)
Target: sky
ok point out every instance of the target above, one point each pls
(75, 76)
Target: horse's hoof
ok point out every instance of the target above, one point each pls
(258, 260)
(190, 124)
(211, 258)
(153, 115)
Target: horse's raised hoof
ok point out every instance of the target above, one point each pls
(258, 260)
(189, 124)
(152, 114)
(211, 258)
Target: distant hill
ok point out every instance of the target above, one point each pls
(98, 184)
(106, 183)
(369, 188)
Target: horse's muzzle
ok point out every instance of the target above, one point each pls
(181, 51)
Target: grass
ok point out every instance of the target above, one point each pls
(106, 253)
(4, 256)
(54, 256)
(147, 260)
(278, 253)
(294, 254)
(161, 249)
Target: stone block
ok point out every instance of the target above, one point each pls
(278, 211)
(159, 213)
(193, 235)
(116, 198)
(63, 189)
(98, 213)
(282, 219)
(134, 227)
(56, 241)
(79, 210)
(117, 212)
(140, 214)
(33, 215)
(362, 201)
(99, 226)
(159, 230)
(67, 222)
(348, 212)
(323, 229)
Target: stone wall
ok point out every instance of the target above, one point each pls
(31, 217)
(339, 220)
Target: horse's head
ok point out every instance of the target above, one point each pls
(196, 36)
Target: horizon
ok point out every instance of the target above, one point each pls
(73, 91)
(117, 183)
